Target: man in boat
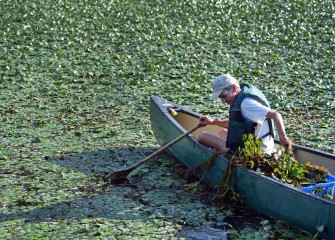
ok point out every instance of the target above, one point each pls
(249, 112)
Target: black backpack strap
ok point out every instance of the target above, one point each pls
(271, 132)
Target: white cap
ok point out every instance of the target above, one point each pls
(221, 82)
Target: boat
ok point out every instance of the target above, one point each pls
(277, 199)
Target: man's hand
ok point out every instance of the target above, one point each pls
(205, 120)
(287, 144)
(284, 141)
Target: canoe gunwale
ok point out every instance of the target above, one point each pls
(310, 150)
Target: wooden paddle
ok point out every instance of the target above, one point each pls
(113, 177)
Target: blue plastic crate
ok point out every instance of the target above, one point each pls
(323, 190)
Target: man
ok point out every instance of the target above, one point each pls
(249, 112)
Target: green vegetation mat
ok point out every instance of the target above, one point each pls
(76, 77)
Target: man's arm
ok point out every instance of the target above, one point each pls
(278, 120)
(218, 122)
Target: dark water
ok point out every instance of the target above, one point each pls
(203, 233)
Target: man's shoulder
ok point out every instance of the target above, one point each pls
(252, 104)
(249, 100)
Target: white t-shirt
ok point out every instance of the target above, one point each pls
(256, 112)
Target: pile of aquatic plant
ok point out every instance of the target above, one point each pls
(281, 165)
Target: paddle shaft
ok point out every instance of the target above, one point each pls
(166, 146)
(113, 177)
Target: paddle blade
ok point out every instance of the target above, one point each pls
(118, 176)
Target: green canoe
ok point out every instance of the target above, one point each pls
(264, 194)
